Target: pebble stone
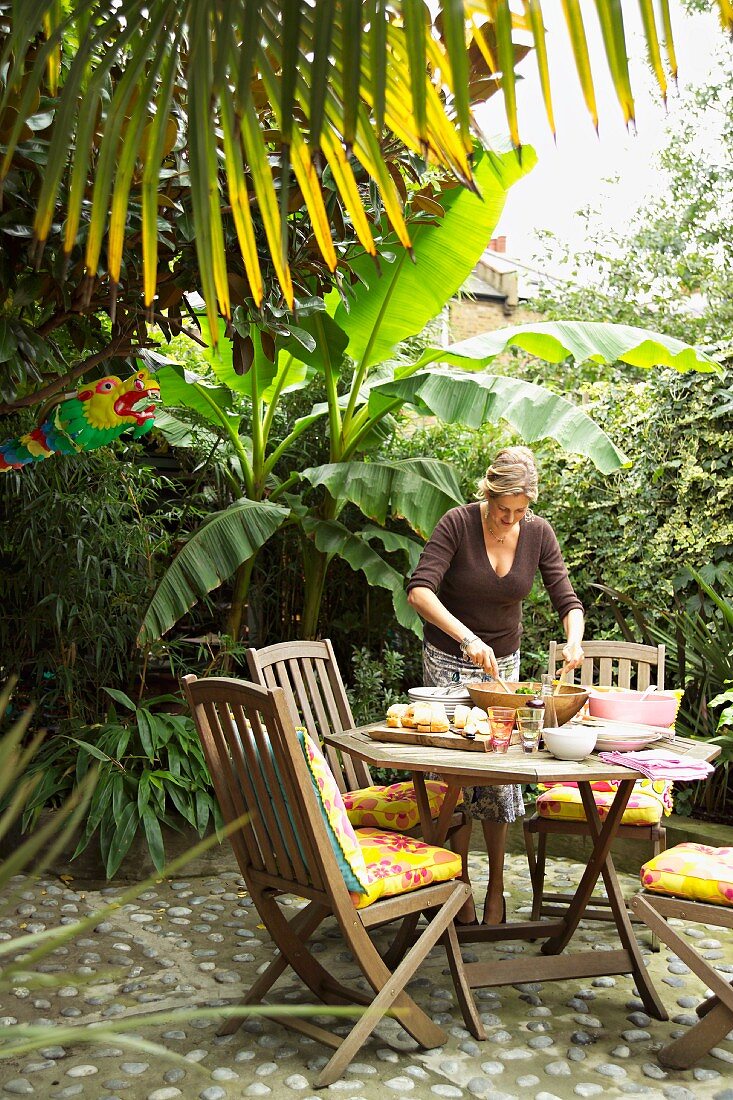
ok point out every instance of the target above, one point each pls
(185, 941)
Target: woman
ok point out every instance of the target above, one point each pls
(468, 586)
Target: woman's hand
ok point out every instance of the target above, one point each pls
(572, 655)
(483, 657)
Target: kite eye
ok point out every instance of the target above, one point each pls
(105, 386)
(139, 384)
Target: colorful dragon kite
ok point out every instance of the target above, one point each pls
(90, 418)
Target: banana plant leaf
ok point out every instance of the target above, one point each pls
(420, 490)
(386, 308)
(332, 537)
(596, 341)
(393, 542)
(212, 554)
(475, 399)
(183, 388)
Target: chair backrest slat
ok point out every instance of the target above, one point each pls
(309, 675)
(260, 775)
(620, 664)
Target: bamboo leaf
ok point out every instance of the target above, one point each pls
(152, 160)
(124, 835)
(533, 11)
(579, 43)
(154, 837)
(454, 30)
(669, 36)
(378, 60)
(351, 15)
(610, 17)
(652, 42)
(322, 31)
(239, 199)
(415, 16)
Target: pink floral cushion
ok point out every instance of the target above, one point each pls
(398, 864)
(346, 847)
(694, 871)
(649, 800)
(392, 807)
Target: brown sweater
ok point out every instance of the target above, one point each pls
(455, 565)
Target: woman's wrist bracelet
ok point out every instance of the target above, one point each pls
(466, 641)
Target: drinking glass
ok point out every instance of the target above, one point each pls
(530, 723)
(501, 722)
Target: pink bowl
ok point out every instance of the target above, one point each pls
(628, 706)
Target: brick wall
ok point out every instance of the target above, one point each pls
(470, 317)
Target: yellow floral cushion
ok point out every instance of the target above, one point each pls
(340, 831)
(694, 871)
(398, 864)
(649, 800)
(392, 807)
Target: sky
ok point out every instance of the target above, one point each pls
(575, 172)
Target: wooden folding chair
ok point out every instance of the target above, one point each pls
(623, 664)
(309, 675)
(655, 909)
(260, 774)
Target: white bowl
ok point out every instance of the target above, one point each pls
(569, 742)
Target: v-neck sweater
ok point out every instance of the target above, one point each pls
(456, 567)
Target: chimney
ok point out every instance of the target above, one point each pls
(498, 244)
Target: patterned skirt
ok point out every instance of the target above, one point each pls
(502, 804)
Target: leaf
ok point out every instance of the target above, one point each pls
(419, 489)
(145, 730)
(333, 538)
(329, 342)
(597, 341)
(124, 835)
(535, 413)
(183, 388)
(212, 554)
(154, 838)
(386, 309)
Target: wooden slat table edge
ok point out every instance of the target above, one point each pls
(511, 767)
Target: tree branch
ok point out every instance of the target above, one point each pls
(120, 346)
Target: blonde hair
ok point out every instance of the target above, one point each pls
(512, 471)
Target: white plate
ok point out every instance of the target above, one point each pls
(439, 695)
(621, 742)
(450, 700)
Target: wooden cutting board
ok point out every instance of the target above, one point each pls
(481, 743)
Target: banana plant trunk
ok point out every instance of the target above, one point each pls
(239, 599)
(315, 567)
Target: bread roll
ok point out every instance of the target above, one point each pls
(438, 719)
(396, 713)
(421, 714)
(478, 715)
(461, 715)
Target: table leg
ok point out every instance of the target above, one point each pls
(601, 847)
(616, 900)
(435, 831)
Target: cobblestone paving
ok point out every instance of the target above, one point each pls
(198, 941)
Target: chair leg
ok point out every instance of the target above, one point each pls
(538, 883)
(659, 845)
(529, 848)
(390, 989)
(464, 995)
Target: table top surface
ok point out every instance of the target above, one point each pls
(514, 766)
